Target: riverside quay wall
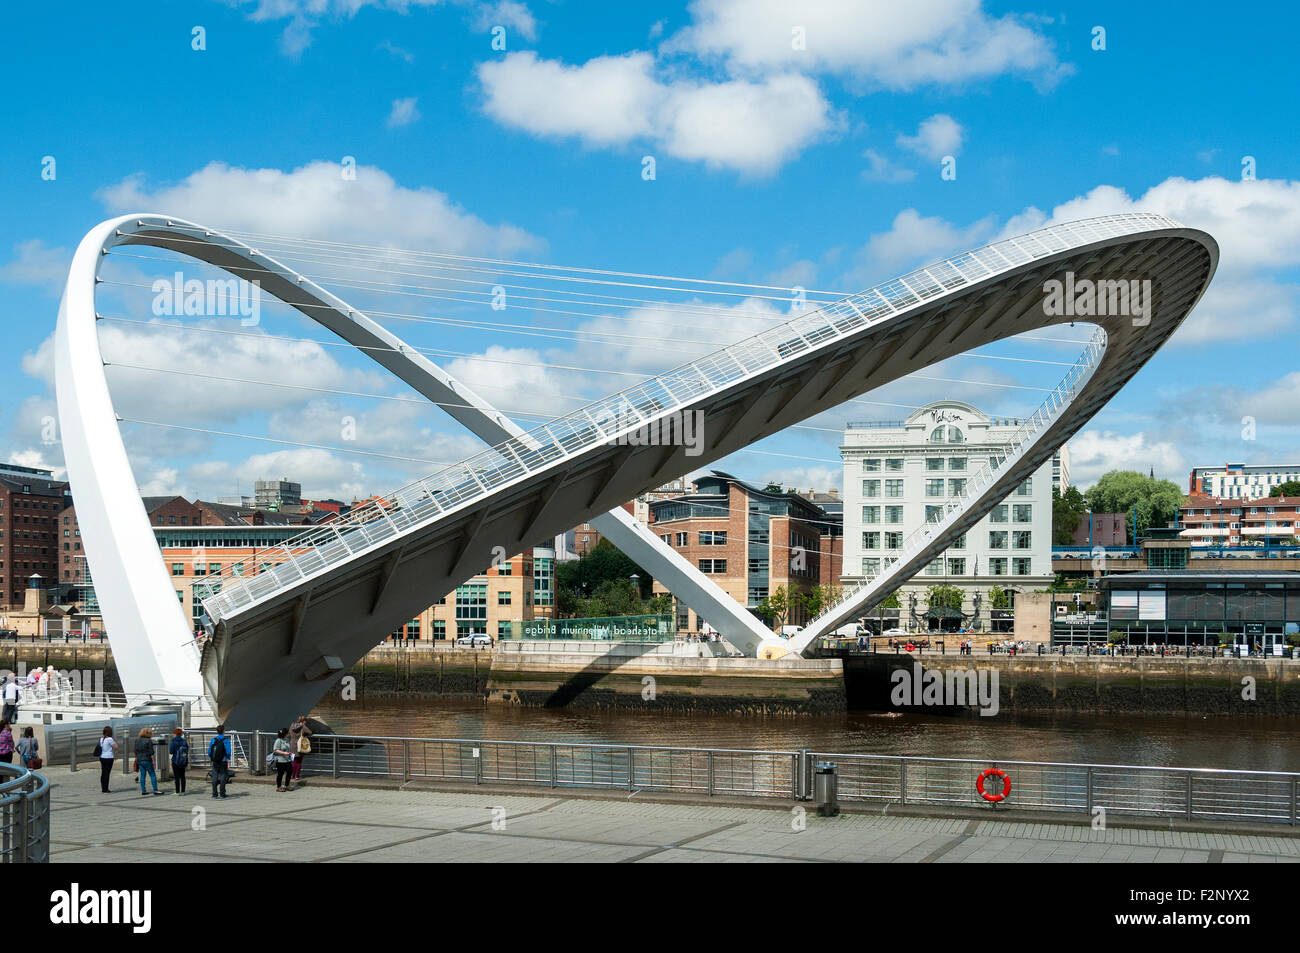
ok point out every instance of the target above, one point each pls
(669, 683)
(1144, 685)
(89, 664)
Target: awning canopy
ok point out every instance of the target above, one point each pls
(1204, 531)
(1268, 531)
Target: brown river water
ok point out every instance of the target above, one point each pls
(1262, 744)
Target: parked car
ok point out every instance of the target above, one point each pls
(474, 640)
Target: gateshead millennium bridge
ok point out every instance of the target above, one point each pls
(281, 638)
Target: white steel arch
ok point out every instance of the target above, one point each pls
(152, 643)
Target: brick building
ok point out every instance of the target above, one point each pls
(1225, 521)
(31, 503)
(750, 541)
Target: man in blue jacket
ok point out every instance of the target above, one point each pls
(219, 754)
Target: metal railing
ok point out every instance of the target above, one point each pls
(419, 503)
(1190, 793)
(24, 816)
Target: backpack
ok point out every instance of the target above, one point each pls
(182, 757)
(217, 751)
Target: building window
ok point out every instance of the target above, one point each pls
(713, 566)
(1022, 566)
(1022, 539)
(894, 464)
(715, 538)
(934, 463)
(957, 567)
(870, 489)
(998, 539)
(893, 514)
(1022, 513)
(471, 602)
(933, 514)
(871, 466)
(999, 513)
(178, 569)
(870, 566)
(503, 598)
(507, 568)
(934, 568)
(893, 540)
(957, 487)
(1026, 488)
(681, 539)
(934, 488)
(959, 542)
(957, 463)
(998, 566)
(871, 514)
(893, 488)
(439, 629)
(870, 540)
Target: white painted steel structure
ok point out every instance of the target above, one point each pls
(283, 637)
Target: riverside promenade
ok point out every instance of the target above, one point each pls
(386, 822)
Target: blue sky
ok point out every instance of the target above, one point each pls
(773, 165)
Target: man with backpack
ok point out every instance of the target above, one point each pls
(179, 750)
(219, 755)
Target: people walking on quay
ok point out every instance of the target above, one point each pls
(178, 749)
(10, 696)
(6, 742)
(300, 743)
(144, 760)
(219, 754)
(106, 751)
(283, 755)
(27, 747)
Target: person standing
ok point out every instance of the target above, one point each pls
(283, 755)
(219, 755)
(6, 742)
(179, 752)
(106, 751)
(28, 746)
(10, 696)
(300, 743)
(144, 760)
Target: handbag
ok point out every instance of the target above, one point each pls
(304, 744)
(35, 762)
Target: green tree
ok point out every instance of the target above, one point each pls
(775, 607)
(1122, 491)
(819, 597)
(1067, 508)
(999, 598)
(585, 587)
(946, 597)
(1289, 488)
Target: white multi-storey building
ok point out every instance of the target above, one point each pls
(897, 473)
(1236, 481)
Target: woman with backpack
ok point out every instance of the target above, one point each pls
(106, 751)
(27, 748)
(144, 760)
(179, 751)
(300, 744)
(283, 755)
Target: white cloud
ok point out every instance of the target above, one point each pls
(753, 127)
(936, 137)
(316, 200)
(506, 13)
(881, 169)
(403, 112)
(305, 15)
(1094, 452)
(36, 264)
(803, 479)
(911, 240)
(899, 46)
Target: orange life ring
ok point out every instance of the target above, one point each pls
(992, 773)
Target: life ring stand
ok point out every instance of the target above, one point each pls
(993, 773)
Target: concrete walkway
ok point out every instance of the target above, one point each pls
(327, 821)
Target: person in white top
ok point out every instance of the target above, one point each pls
(106, 750)
(10, 697)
